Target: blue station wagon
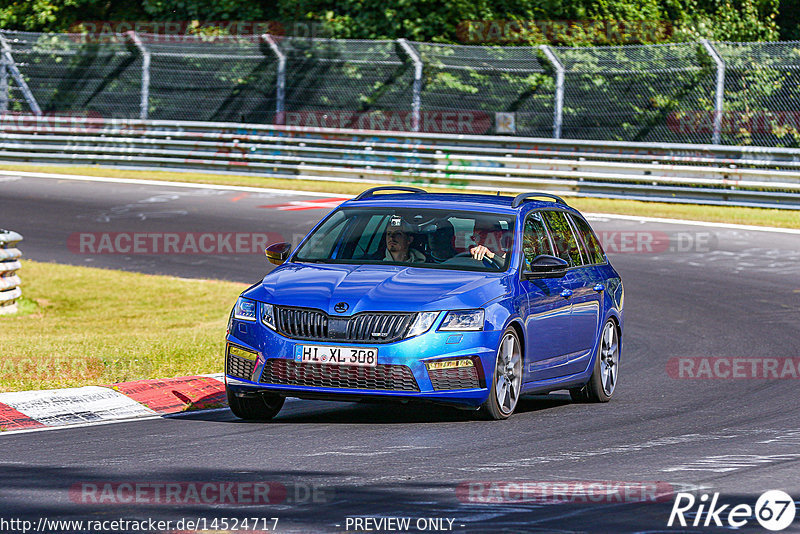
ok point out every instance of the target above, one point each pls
(401, 294)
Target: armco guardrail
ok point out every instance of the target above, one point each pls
(9, 265)
(711, 174)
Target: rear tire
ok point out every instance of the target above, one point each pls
(604, 377)
(262, 407)
(506, 379)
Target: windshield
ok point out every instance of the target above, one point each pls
(431, 238)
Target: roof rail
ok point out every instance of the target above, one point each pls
(522, 197)
(370, 192)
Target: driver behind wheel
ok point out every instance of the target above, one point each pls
(489, 238)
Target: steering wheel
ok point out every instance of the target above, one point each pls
(491, 263)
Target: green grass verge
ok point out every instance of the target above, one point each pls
(85, 326)
(25, 306)
(755, 216)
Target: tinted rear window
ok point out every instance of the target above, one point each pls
(591, 246)
(564, 239)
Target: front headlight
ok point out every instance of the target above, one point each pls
(268, 315)
(422, 323)
(463, 320)
(245, 309)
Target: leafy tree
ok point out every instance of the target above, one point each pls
(434, 20)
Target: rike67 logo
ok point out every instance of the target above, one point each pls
(774, 510)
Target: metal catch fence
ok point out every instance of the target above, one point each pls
(703, 93)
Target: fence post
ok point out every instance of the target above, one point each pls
(558, 112)
(280, 91)
(720, 91)
(9, 265)
(416, 98)
(144, 101)
(3, 84)
(11, 65)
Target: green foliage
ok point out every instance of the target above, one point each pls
(788, 20)
(729, 20)
(437, 21)
(629, 93)
(61, 15)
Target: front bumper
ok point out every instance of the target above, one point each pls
(413, 353)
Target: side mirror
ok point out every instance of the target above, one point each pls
(278, 252)
(546, 266)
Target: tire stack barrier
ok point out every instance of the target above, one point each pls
(9, 265)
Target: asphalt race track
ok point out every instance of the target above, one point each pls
(691, 292)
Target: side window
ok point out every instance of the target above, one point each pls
(564, 239)
(591, 246)
(534, 238)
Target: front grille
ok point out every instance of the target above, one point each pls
(368, 327)
(378, 327)
(239, 367)
(301, 323)
(454, 378)
(380, 377)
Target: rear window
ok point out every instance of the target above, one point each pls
(591, 246)
(564, 240)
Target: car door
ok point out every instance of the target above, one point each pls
(586, 320)
(547, 316)
(580, 289)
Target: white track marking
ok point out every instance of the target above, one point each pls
(57, 407)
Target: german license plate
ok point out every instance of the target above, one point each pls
(325, 354)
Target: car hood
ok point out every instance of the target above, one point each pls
(377, 287)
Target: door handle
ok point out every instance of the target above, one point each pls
(599, 287)
(567, 293)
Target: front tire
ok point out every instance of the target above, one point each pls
(506, 379)
(604, 377)
(262, 407)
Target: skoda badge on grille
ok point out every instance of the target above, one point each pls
(341, 307)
